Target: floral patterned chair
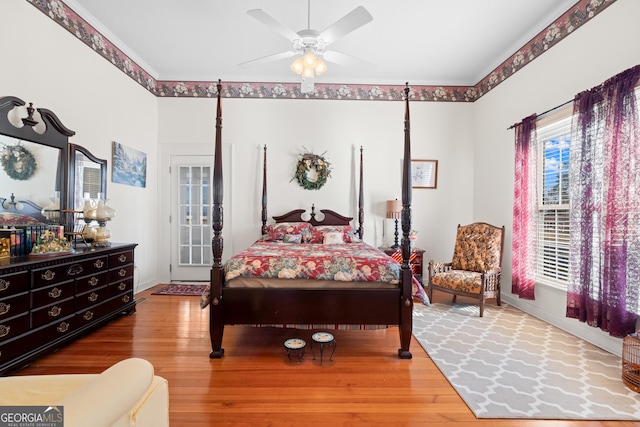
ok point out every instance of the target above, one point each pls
(476, 268)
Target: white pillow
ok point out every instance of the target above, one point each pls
(333, 238)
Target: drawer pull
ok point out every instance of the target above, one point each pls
(48, 275)
(4, 285)
(63, 327)
(122, 286)
(122, 258)
(55, 293)
(88, 315)
(93, 297)
(122, 272)
(74, 270)
(55, 311)
(98, 264)
(4, 330)
(4, 308)
(126, 298)
(93, 281)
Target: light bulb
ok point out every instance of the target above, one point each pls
(308, 72)
(297, 66)
(309, 59)
(320, 66)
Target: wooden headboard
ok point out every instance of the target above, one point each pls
(330, 217)
(22, 212)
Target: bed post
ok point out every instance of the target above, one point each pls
(216, 320)
(264, 192)
(361, 201)
(406, 274)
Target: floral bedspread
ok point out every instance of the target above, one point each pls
(353, 262)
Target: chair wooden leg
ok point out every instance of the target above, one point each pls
(455, 297)
(481, 308)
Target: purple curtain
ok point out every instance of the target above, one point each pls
(604, 194)
(524, 242)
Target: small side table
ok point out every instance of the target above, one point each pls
(295, 347)
(324, 339)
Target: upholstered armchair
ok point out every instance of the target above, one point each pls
(126, 394)
(476, 268)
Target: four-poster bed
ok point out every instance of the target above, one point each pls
(380, 299)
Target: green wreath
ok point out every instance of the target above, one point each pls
(315, 165)
(18, 162)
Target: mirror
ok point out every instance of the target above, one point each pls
(33, 154)
(87, 174)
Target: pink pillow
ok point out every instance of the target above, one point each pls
(348, 233)
(277, 231)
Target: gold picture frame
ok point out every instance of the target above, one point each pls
(424, 173)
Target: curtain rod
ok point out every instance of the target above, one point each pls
(546, 112)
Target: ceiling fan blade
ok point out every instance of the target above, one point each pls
(345, 60)
(269, 58)
(348, 23)
(271, 22)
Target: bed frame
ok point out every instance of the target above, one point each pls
(238, 306)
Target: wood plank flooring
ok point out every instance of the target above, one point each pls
(256, 384)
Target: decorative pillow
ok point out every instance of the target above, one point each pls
(292, 238)
(333, 238)
(277, 231)
(348, 233)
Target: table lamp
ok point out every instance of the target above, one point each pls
(394, 209)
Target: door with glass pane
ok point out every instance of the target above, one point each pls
(191, 217)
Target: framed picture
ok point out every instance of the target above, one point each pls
(129, 166)
(424, 173)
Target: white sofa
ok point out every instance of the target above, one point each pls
(126, 394)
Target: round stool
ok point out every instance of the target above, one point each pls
(295, 347)
(324, 339)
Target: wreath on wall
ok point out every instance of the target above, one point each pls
(18, 162)
(312, 171)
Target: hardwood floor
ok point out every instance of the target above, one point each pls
(255, 384)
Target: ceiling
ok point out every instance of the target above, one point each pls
(425, 42)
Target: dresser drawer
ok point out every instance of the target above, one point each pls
(94, 281)
(52, 313)
(120, 258)
(55, 293)
(92, 297)
(93, 313)
(14, 283)
(14, 305)
(14, 327)
(120, 273)
(124, 285)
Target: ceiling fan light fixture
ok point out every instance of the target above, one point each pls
(309, 59)
(320, 66)
(308, 72)
(297, 66)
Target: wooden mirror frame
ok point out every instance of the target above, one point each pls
(73, 196)
(55, 135)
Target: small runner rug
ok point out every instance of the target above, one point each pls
(509, 364)
(181, 289)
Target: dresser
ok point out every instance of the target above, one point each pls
(48, 301)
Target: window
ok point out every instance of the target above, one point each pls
(552, 261)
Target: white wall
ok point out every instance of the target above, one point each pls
(44, 64)
(339, 128)
(598, 50)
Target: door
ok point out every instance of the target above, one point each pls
(191, 207)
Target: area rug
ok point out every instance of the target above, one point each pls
(509, 364)
(181, 289)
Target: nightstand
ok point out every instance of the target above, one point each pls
(415, 259)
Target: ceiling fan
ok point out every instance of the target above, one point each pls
(310, 45)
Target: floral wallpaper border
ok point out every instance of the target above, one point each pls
(579, 14)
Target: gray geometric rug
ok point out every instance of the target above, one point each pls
(509, 364)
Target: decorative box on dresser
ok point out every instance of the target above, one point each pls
(47, 301)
